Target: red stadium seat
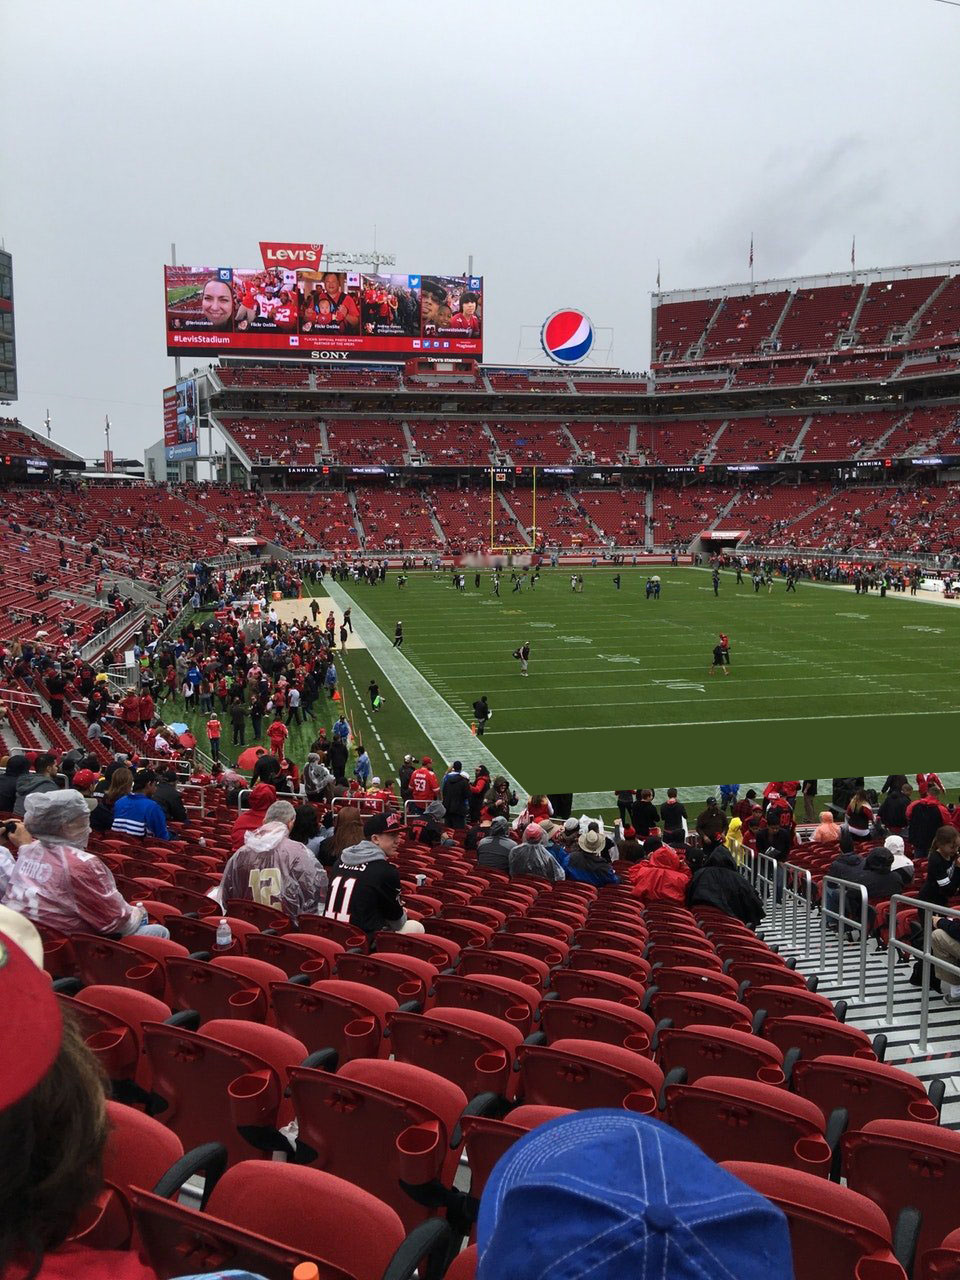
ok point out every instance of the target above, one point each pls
(515, 1002)
(224, 987)
(835, 1233)
(474, 1050)
(401, 976)
(704, 1050)
(485, 1139)
(817, 1037)
(868, 1090)
(506, 964)
(604, 960)
(268, 1219)
(731, 1118)
(608, 1021)
(402, 1113)
(348, 1017)
(697, 981)
(214, 1091)
(899, 1164)
(684, 1008)
(295, 953)
(131, 963)
(569, 984)
(579, 1074)
(438, 951)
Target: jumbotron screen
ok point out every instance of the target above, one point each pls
(333, 315)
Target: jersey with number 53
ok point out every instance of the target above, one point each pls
(365, 890)
(275, 871)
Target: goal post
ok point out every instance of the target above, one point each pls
(498, 475)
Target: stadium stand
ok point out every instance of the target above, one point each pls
(360, 441)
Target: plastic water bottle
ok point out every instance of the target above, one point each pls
(224, 934)
(202, 842)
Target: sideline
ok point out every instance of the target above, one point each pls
(451, 737)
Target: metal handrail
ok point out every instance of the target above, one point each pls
(924, 954)
(842, 919)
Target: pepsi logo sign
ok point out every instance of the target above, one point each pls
(567, 336)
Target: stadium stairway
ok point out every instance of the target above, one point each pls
(942, 1057)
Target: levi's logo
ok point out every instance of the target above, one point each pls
(275, 252)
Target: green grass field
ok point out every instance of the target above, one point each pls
(822, 682)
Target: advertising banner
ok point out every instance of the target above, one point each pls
(334, 315)
(180, 420)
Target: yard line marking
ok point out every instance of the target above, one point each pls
(684, 724)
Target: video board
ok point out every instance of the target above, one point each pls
(180, 420)
(335, 315)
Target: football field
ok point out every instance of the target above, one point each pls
(621, 690)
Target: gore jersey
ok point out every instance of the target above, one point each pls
(366, 896)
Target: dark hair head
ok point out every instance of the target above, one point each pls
(671, 793)
(305, 824)
(44, 761)
(469, 296)
(143, 778)
(53, 1142)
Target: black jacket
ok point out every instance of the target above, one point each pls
(168, 798)
(943, 880)
(456, 795)
(879, 881)
(645, 816)
(8, 786)
(893, 811)
(719, 884)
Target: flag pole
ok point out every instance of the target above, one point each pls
(751, 258)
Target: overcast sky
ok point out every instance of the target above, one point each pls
(566, 145)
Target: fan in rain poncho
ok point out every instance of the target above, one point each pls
(56, 882)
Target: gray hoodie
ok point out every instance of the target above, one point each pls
(27, 784)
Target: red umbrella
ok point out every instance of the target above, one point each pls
(248, 759)
(187, 741)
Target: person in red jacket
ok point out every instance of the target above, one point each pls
(424, 786)
(277, 733)
(145, 709)
(130, 709)
(928, 783)
(662, 878)
(261, 798)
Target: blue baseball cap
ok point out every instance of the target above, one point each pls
(602, 1195)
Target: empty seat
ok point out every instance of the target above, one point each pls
(486, 1138)
(584, 1018)
(515, 1002)
(835, 1234)
(348, 1017)
(577, 1074)
(730, 1119)
(684, 1007)
(867, 1090)
(224, 987)
(268, 1219)
(570, 984)
(474, 1050)
(719, 1051)
(378, 1124)
(817, 1037)
(899, 1164)
(295, 953)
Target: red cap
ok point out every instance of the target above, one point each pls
(84, 778)
(30, 1017)
(427, 761)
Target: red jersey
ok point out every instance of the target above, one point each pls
(213, 729)
(469, 324)
(423, 785)
(277, 733)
